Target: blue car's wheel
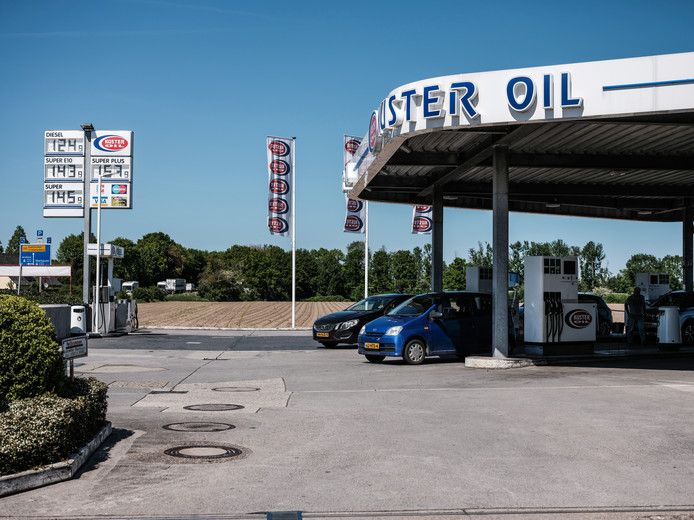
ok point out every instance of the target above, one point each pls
(414, 352)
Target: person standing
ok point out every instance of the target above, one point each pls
(635, 313)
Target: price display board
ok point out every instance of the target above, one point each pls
(65, 168)
(114, 195)
(63, 199)
(63, 142)
(112, 168)
(72, 348)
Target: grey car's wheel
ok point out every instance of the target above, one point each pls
(688, 333)
(374, 359)
(414, 352)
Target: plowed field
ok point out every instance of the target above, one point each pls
(233, 314)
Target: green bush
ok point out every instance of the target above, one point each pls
(149, 294)
(48, 428)
(53, 295)
(185, 297)
(328, 298)
(615, 297)
(29, 353)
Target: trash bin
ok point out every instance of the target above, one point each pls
(78, 320)
(669, 332)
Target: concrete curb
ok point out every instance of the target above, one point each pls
(64, 470)
(501, 363)
(238, 329)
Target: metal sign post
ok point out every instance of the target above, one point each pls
(87, 128)
(366, 249)
(294, 233)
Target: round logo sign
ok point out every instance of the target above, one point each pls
(353, 223)
(277, 225)
(279, 166)
(421, 224)
(354, 205)
(351, 146)
(373, 132)
(578, 319)
(278, 148)
(279, 186)
(278, 205)
(423, 209)
(110, 143)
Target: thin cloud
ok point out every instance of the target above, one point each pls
(82, 34)
(198, 7)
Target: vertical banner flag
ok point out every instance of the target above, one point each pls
(280, 183)
(354, 220)
(421, 220)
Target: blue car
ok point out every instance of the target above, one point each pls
(434, 324)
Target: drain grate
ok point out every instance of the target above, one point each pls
(204, 451)
(198, 427)
(214, 407)
(169, 392)
(236, 389)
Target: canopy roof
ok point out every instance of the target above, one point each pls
(599, 163)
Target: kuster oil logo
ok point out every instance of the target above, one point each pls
(279, 166)
(277, 225)
(423, 209)
(278, 148)
(351, 146)
(110, 143)
(279, 186)
(278, 205)
(353, 223)
(354, 205)
(578, 319)
(422, 224)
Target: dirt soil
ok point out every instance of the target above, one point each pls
(233, 314)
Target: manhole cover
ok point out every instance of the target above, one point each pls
(198, 427)
(208, 451)
(236, 389)
(217, 407)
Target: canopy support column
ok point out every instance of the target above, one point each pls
(500, 345)
(437, 240)
(687, 253)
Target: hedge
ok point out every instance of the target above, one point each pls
(29, 353)
(46, 429)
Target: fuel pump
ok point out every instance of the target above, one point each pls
(555, 322)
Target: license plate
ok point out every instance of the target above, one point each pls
(322, 335)
(371, 346)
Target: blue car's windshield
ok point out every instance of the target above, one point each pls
(369, 304)
(413, 307)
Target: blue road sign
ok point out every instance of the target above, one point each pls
(39, 232)
(48, 240)
(35, 254)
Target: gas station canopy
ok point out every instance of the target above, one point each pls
(610, 139)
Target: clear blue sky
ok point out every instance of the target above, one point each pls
(201, 84)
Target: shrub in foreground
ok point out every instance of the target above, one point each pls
(46, 429)
(29, 353)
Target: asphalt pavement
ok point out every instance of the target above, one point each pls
(275, 422)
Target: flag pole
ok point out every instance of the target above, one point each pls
(366, 250)
(293, 188)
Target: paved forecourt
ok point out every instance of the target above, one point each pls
(322, 430)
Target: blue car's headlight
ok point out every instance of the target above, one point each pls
(363, 330)
(393, 331)
(347, 324)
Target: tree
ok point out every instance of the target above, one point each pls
(592, 273)
(672, 264)
(127, 268)
(71, 251)
(306, 268)
(160, 258)
(13, 243)
(404, 270)
(380, 280)
(423, 259)
(454, 274)
(330, 276)
(218, 282)
(354, 270)
(482, 256)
